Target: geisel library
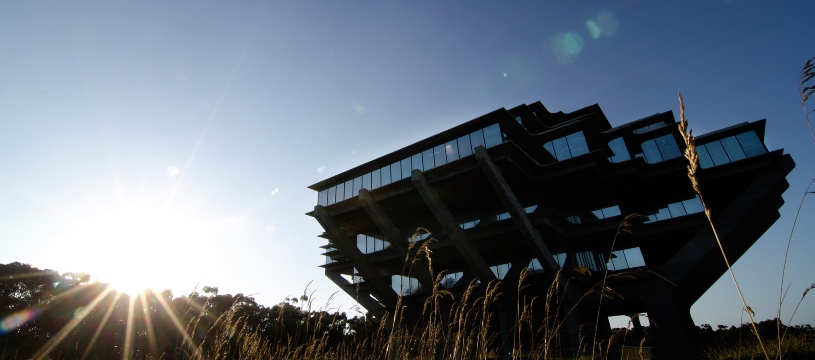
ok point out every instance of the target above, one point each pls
(527, 188)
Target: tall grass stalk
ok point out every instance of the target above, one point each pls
(693, 167)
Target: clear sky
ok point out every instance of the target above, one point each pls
(167, 143)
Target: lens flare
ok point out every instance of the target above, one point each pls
(567, 46)
(173, 171)
(14, 321)
(594, 29)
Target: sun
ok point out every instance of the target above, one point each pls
(139, 248)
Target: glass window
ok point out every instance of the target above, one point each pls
(492, 135)
(332, 194)
(406, 168)
(750, 143)
(611, 211)
(439, 155)
(561, 149)
(451, 148)
(651, 152)
(476, 139)
(634, 257)
(677, 209)
(732, 148)
(663, 214)
(366, 181)
(349, 189)
(322, 198)
(500, 270)
(704, 158)
(427, 159)
(597, 214)
(560, 259)
(464, 147)
(386, 175)
(717, 153)
(620, 150)
(357, 185)
(362, 243)
(449, 280)
(376, 179)
(535, 266)
(518, 119)
(617, 261)
(551, 149)
(340, 192)
(667, 147)
(693, 206)
(577, 144)
(371, 243)
(396, 171)
(416, 162)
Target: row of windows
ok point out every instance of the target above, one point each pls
(404, 285)
(502, 216)
(648, 127)
(677, 209)
(598, 214)
(625, 259)
(568, 146)
(368, 244)
(660, 149)
(730, 149)
(434, 157)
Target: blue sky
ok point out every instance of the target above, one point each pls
(175, 140)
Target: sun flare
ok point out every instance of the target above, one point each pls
(139, 248)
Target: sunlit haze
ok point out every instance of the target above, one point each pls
(169, 145)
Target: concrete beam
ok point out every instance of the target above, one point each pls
(474, 260)
(528, 232)
(348, 246)
(418, 264)
(362, 298)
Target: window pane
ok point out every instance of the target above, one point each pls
(451, 148)
(362, 243)
(717, 153)
(577, 144)
(416, 162)
(551, 149)
(663, 214)
(340, 192)
(693, 206)
(677, 209)
(322, 198)
(366, 181)
(349, 189)
(386, 175)
(492, 135)
(371, 244)
(476, 139)
(406, 168)
(561, 149)
(464, 147)
(518, 119)
(733, 149)
(427, 156)
(649, 148)
(704, 158)
(439, 155)
(357, 185)
(750, 143)
(611, 211)
(396, 171)
(332, 194)
(376, 179)
(667, 147)
(634, 257)
(620, 150)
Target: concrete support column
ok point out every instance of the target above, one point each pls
(672, 330)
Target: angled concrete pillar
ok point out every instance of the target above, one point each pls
(529, 233)
(348, 246)
(363, 299)
(445, 218)
(417, 265)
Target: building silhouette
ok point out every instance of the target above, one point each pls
(525, 188)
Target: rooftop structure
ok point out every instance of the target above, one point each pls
(525, 188)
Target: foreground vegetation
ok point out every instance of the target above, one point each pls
(44, 314)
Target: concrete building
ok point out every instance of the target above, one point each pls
(527, 188)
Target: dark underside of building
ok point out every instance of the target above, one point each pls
(547, 192)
